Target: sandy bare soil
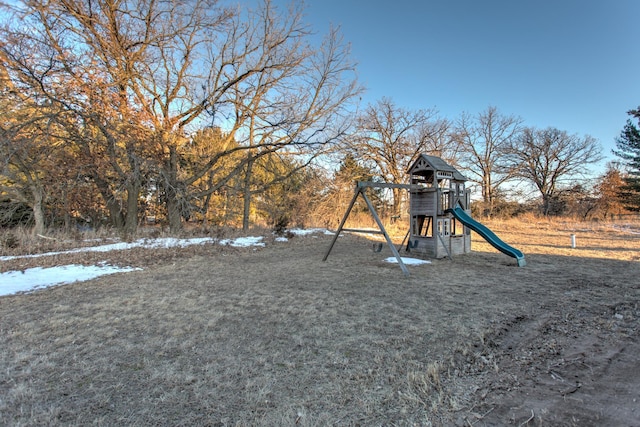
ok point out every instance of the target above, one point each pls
(275, 336)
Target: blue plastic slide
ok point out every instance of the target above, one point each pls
(488, 235)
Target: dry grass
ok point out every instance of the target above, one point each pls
(274, 336)
(533, 235)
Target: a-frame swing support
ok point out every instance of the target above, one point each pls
(361, 187)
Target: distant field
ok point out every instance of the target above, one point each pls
(610, 240)
(274, 336)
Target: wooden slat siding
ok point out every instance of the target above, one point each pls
(423, 202)
(426, 245)
(422, 205)
(441, 250)
(457, 245)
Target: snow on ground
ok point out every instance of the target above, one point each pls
(307, 231)
(303, 232)
(36, 278)
(408, 261)
(167, 242)
(243, 242)
(33, 279)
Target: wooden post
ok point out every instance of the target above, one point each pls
(344, 219)
(360, 189)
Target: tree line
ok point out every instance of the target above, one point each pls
(121, 112)
(501, 156)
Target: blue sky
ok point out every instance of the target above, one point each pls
(573, 65)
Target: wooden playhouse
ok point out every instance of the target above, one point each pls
(436, 188)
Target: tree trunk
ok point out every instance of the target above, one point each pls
(116, 216)
(246, 212)
(133, 186)
(397, 204)
(66, 213)
(174, 213)
(487, 195)
(38, 210)
(546, 204)
(173, 210)
(131, 219)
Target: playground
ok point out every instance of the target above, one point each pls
(440, 220)
(274, 336)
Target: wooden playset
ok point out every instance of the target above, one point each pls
(440, 221)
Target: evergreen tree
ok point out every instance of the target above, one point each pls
(351, 171)
(628, 149)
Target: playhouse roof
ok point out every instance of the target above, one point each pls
(437, 164)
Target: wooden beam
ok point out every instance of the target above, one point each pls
(362, 230)
(344, 219)
(360, 191)
(371, 184)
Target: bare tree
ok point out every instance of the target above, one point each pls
(264, 84)
(549, 158)
(296, 106)
(390, 138)
(441, 140)
(483, 141)
(136, 79)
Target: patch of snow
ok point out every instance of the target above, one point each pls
(281, 239)
(243, 242)
(171, 242)
(36, 278)
(408, 261)
(307, 231)
(146, 243)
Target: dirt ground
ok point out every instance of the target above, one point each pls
(274, 336)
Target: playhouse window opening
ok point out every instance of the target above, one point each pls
(444, 201)
(457, 229)
(445, 183)
(425, 179)
(422, 226)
